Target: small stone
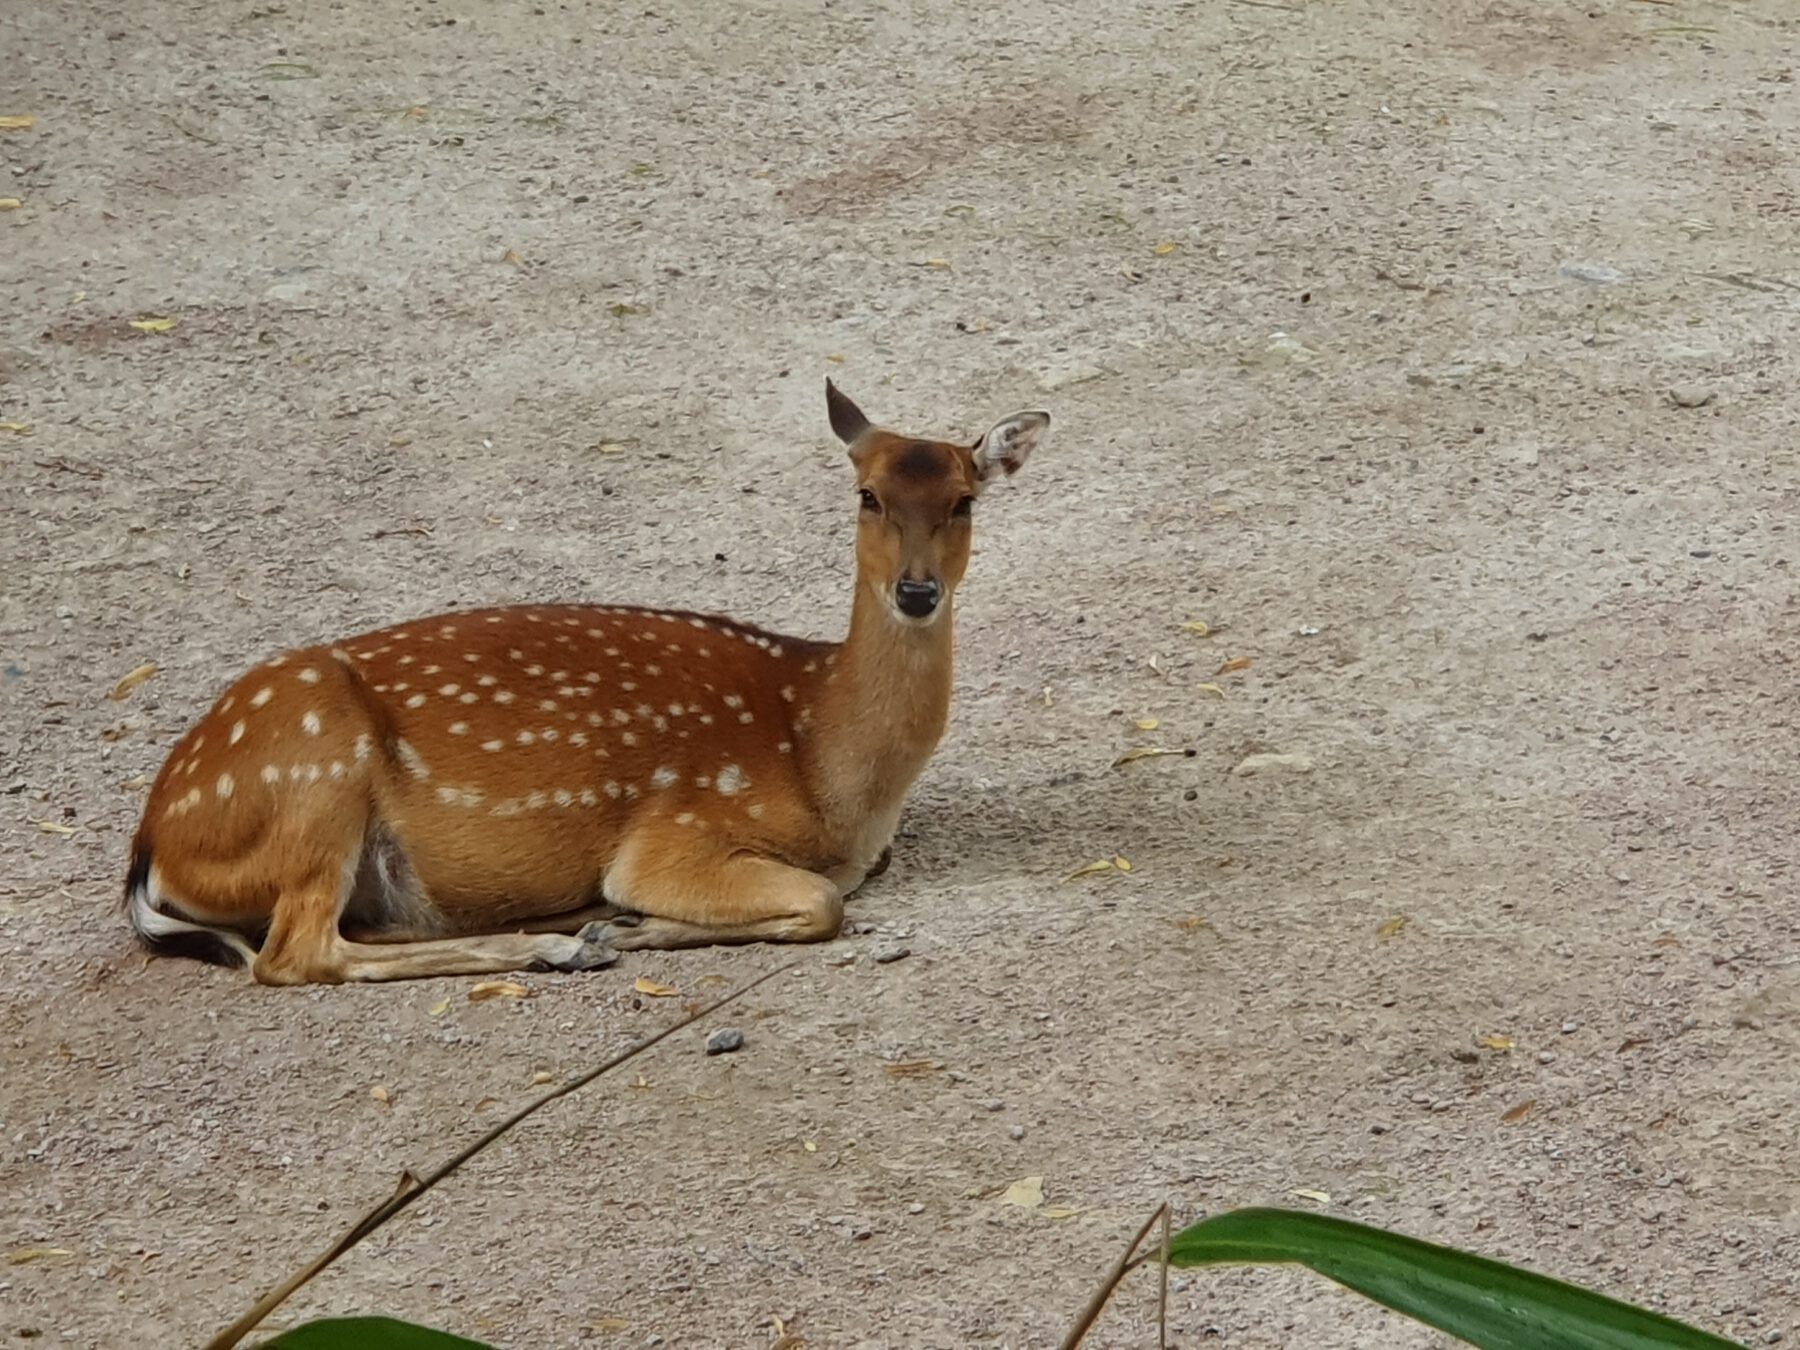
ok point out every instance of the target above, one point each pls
(915, 1208)
(724, 1041)
(1593, 273)
(1691, 395)
(1700, 553)
(1379, 1128)
(884, 956)
(1570, 1028)
(1017, 1132)
(1546, 1057)
(993, 1104)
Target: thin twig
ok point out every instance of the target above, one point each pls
(1162, 1298)
(412, 1187)
(1097, 1304)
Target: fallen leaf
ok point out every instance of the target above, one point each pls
(809, 1146)
(836, 358)
(1191, 923)
(1519, 1112)
(1026, 1193)
(1495, 1042)
(486, 1102)
(940, 263)
(1392, 928)
(1164, 249)
(910, 1068)
(645, 985)
(137, 781)
(511, 256)
(26, 1255)
(17, 123)
(1234, 664)
(1144, 752)
(541, 1077)
(55, 827)
(381, 1095)
(626, 311)
(1199, 626)
(1321, 1197)
(487, 989)
(1090, 869)
(153, 325)
(1212, 689)
(10, 203)
(1049, 698)
(132, 680)
(1255, 764)
(17, 428)
(1059, 1211)
(609, 1324)
(642, 1084)
(1122, 864)
(610, 448)
(1147, 723)
(441, 1007)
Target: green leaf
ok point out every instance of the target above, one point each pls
(1483, 1302)
(368, 1333)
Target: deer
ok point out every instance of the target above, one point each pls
(548, 786)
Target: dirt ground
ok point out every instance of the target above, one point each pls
(1359, 324)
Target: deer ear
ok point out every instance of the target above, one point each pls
(1009, 443)
(847, 419)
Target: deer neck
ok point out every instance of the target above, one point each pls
(880, 711)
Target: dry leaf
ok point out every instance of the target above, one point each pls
(1026, 1193)
(499, 989)
(937, 262)
(609, 1324)
(1049, 699)
(1191, 923)
(809, 1146)
(26, 1255)
(1255, 764)
(1144, 752)
(541, 1077)
(836, 358)
(153, 325)
(10, 203)
(17, 428)
(511, 256)
(645, 985)
(55, 827)
(1090, 869)
(1234, 664)
(1199, 626)
(1059, 1211)
(642, 1084)
(441, 1007)
(626, 311)
(610, 448)
(910, 1068)
(1147, 723)
(1212, 689)
(1519, 1112)
(17, 123)
(1321, 1197)
(1121, 863)
(486, 1102)
(1495, 1042)
(1392, 928)
(1163, 250)
(381, 1095)
(131, 681)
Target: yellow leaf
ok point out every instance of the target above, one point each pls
(1234, 664)
(1026, 1193)
(512, 257)
(1163, 250)
(642, 1084)
(809, 1146)
(381, 1095)
(1191, 923)
(1496, 1042)
(26, 1255)
(1519, 1112)
(609, 1324)
(53, 827)
(1147, 723)
(610, 448)
(1059, 1211)
(486, 1102)
(1198, 626)
(132, 681)
(645, 985)
(1144, 752)
(441, 1007)
(1320, 1196)
(1122, 864)
(937, 262)
(910, 1068)
(1090, 869)
(1392, 928)
(487, 989)
(17, 123)
(10, 203)
(836, 357)
(1212, 689)
(539, 1078)
(17, 428)
(153, 325)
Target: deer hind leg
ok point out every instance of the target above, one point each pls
(684, 890)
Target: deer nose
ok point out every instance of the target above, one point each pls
(917, 598)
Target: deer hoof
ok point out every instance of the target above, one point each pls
(594, 949)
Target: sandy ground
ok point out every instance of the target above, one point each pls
(1359, 324)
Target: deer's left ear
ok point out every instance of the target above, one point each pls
(1009, 443)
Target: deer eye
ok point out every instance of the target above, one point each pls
(869, 501)
(965, 506)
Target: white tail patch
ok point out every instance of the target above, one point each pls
(152, 924)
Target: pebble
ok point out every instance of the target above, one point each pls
(1691, 395)
(889, 954)
(1017, 1132)
(1546, 1057)
(993, 1104)
(915, 1208)
(724, 1041)
(1595, 274)
(1570, 1028)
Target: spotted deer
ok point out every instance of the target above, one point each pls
(550, 785)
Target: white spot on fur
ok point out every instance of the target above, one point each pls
(534, 670)
(535, 802)
(628, 738)
(754, 810)
(416, 701)
(809, 667)
(261, 697)
(732, 781)
(307, 676)
(664, 777)
(415, 764)
(508, 806)
(471, 657)
(563, 797)
(364, 744)
(336, 768)
(237, 733)
(549, 734)
(734, 701)
(491, 746)
(547, 704)
(787, 693)
(589, 797)
(488, 681)
(526, 737)
(685, 818)
(405, 660)
(706, 719)
(271, 774)
(225, 786)
(775, 649)
(611, 790)
(459, 728)
(578, 739)
(746, 718)
(786, 747)
(450, 690)
(310, 724)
